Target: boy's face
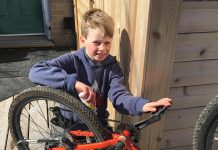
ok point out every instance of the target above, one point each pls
(97, 46)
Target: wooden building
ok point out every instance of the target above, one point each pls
(166, 48)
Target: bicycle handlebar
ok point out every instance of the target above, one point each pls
(156, 116)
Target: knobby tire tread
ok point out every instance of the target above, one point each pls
(207, 118)
(60, 96)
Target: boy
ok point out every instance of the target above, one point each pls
(93, 71)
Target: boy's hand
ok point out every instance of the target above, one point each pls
(152, 106)
(88, 93)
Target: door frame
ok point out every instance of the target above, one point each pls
(46, 18)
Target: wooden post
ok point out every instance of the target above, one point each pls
(160, 53)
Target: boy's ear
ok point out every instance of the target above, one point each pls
(82, 39)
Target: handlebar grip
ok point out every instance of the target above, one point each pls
(156, 116)
(161, 110)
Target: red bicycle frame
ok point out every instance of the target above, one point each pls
(125, 137)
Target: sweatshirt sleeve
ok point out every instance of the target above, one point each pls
(121, 98)
(58, 73)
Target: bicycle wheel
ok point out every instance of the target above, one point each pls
(37, 120)
(205, 135)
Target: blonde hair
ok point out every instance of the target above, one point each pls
(97, 18)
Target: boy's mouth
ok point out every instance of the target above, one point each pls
(101, 54)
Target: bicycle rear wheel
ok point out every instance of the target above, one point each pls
(205, 135)
(37, 120)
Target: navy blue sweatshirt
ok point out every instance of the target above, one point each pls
(62, 73)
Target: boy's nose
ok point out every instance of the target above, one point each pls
(101, 47)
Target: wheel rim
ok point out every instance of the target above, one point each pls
(34, 117)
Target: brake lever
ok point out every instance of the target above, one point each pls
(156, 116)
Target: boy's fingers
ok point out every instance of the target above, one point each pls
(165, 102)
(151, 109)
(86, 93)
(91, 97)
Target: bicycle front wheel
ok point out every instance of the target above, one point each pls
(39, 119)
(205, 135)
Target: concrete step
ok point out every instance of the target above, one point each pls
(25, 41)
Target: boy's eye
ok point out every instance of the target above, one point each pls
(97, 43)
(107, 43)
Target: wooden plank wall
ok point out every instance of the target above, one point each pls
(194, 79)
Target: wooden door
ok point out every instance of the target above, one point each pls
(21, 17)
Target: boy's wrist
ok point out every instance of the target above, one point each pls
(78, 86)
(140, 104)
(70, 82)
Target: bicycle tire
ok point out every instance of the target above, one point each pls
(205, 136)
(31, 100)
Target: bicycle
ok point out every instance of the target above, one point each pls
(205, 135)
(36, 121)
